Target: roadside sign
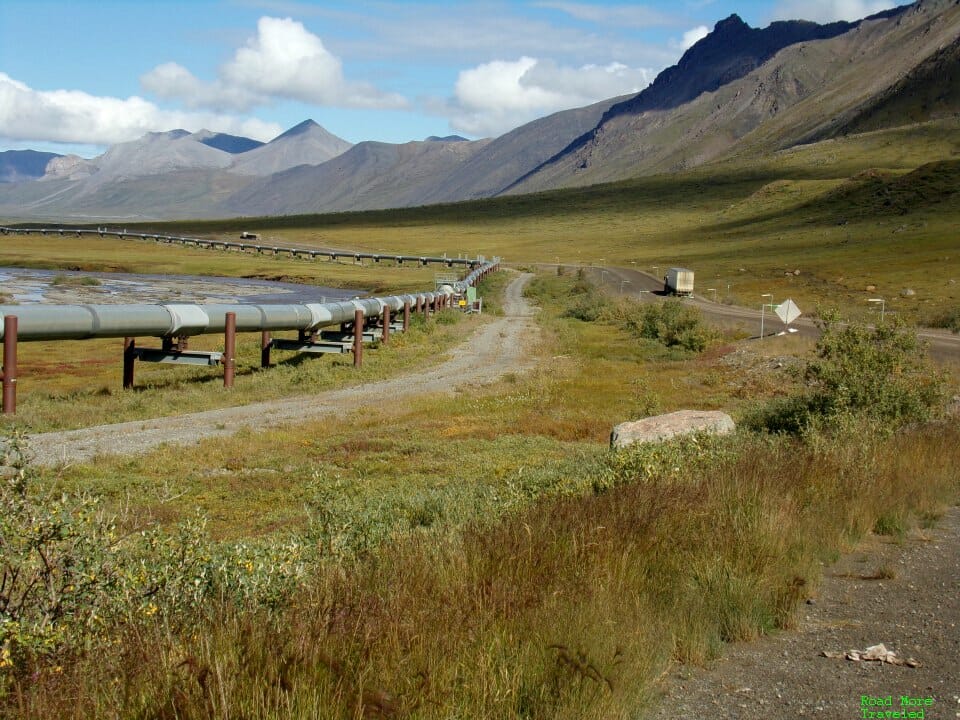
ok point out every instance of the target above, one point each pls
(787, 311)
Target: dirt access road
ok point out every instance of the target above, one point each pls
(497, 348)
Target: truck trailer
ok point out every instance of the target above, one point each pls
(678, 281)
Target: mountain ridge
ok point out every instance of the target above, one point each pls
(738, 90)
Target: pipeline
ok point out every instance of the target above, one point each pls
(293, 252)
(81, 322)
(181, 321)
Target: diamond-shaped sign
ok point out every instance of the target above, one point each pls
(787, 311)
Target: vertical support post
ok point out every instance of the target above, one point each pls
(406, 316)
(129, 357)
(419, 307)
(229, 348)
(9, 364)
(358, 338)
(265, 344)
(386, 324)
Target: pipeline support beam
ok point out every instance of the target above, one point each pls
(229, 348)
(129, 358)
(9, 364)
(358, 338)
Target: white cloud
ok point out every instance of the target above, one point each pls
(498, 96)
(72, 116)
(171, 81)
(693, 36)
(825, 11)
(284, 61)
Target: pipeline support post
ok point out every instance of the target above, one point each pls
(358, 338)
(129, 357)
(406, 315)
(229, 348)
(265, 345)
(386, 324)
(9, 364)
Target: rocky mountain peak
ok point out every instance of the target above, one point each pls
(299, 129)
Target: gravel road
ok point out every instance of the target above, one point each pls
(495, 349)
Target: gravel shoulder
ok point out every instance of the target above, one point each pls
(494, 350)
(915, 613)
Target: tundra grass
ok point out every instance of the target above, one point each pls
(570, 606)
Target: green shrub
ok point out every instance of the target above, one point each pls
(69, 575)
(876, 375)
(585, 302)
(671, 323)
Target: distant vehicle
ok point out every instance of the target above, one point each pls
(249, 236)
(678, 281)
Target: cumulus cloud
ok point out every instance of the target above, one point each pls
(72, 116)
(495, 97)
(283, 61)
(825, 11)
(171, 81)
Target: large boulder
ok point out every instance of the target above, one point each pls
(664, 427)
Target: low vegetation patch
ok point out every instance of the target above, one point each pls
(75, 281)
(948, 319)
(670, 323)
(567, 607)
(876, 374)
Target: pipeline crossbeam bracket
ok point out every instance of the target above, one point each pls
(313, 347)
(336, 336)
(183, 357)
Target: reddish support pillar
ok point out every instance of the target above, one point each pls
(265, 349)
(358, 338)
(9, 364)
(386, 324)
(419, 308)
(229, 348)
(406, 316)
(129, 357)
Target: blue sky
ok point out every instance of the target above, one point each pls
(77, 76)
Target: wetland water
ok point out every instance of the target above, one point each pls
(64, 287)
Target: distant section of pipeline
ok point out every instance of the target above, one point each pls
(257, 247)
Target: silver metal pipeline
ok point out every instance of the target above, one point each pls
(79, 322)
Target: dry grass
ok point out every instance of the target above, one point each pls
(570, 608)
